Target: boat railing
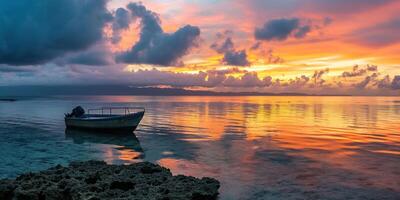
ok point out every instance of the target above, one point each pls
(115, 110)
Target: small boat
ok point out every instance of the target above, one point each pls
(105, 119)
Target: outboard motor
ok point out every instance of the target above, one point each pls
(76, 112)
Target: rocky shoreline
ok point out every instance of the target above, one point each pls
(97, 180)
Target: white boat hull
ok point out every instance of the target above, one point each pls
(105, 122)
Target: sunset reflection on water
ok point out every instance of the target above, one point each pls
(269, 142)
(258, 147)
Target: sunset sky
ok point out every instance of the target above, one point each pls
(305, 46)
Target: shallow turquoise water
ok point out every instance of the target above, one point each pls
(258, 147)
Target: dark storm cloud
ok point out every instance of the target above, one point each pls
(122, 20)
(237, 58)
(281, 29)
(155, 46)
(227, 47)
(34, 32)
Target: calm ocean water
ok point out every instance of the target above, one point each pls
(258, 147)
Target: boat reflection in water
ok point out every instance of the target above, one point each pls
(125, 143)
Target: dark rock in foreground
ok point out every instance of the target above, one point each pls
(97, 180)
